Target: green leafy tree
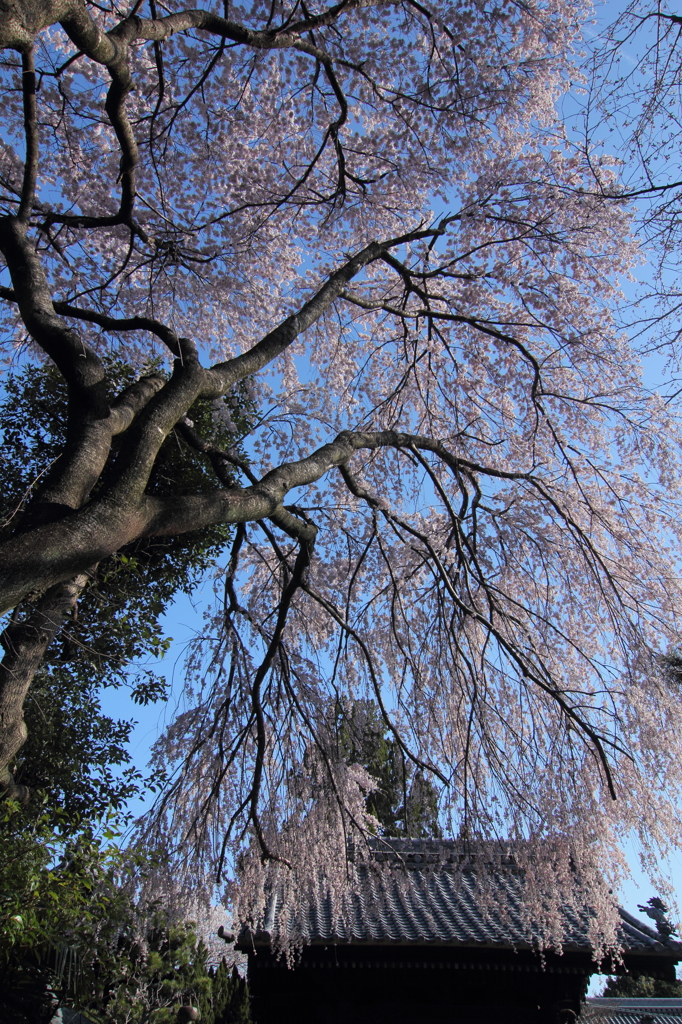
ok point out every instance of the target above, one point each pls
(71, 933)
(405, 802)
(75, 753)
(61, 909)
(641, 986)
(153, 978)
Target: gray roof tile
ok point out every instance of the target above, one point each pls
(631, 1011)
(631, 1017)
(436, 901)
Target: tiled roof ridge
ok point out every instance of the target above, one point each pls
(623, 1010)
(664, 1015)
(632, 926)
(642, 926)
(634, 1002)
(460, 851)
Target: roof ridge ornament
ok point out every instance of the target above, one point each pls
(656, 909)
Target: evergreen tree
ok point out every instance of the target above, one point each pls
(230, 996)
(61, 910)
(405, 802)
(641, 986)
(146, 982)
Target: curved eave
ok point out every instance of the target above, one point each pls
(248, 942)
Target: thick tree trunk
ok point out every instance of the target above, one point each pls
(25, 644)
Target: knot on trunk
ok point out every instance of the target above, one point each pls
(11, 790)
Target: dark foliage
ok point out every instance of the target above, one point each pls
(61, 910)
(405, 802)
(71, 934)
(230, 996)
(149, 980)
(641, 986)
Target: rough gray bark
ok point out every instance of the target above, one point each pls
(25, 643)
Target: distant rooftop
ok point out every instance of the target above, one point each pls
(632, 1011)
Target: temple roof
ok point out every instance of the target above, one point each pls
(631, 1011)
(436, 901)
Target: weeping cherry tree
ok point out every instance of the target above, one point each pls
(459, 502)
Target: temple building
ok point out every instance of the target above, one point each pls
(424, 950)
